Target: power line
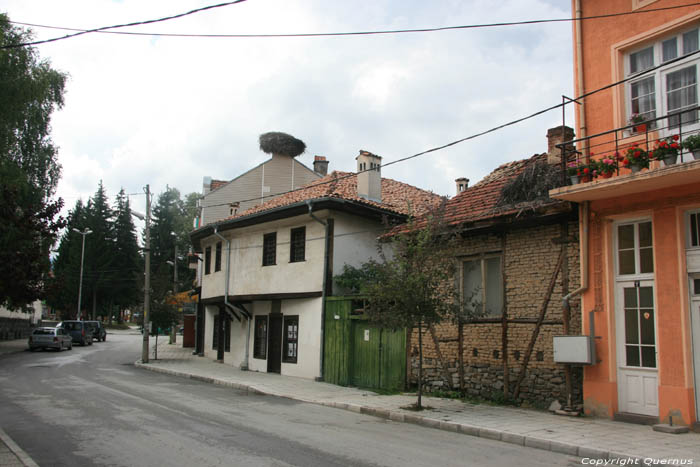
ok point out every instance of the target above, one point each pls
(473, 136)
(350, 33)
(137, 23)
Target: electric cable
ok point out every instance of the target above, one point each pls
(336, 34)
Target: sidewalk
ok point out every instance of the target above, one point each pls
(12, 346)
(583, 437)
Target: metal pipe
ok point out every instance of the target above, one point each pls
(583, 213)
(227, 305)
(325, 279)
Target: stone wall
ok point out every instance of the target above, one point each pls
(11, 328)
(529, 260)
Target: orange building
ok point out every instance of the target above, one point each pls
(640, 229)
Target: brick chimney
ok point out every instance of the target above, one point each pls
(369, 176)
(320, 165)
(557, 135)
(462, 184)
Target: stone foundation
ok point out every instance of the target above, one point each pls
(14, 328)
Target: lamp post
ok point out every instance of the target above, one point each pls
(147, 274)
(84, 233)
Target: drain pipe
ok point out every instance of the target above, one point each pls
(323, 290)
(578, 25)
(583, 213)
(227, 305)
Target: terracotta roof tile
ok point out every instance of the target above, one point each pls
(397, 197)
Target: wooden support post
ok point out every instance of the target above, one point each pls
(504, 321)
(536, 331)
(443, 365)
(460, 357)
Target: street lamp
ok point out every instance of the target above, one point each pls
(84, 233)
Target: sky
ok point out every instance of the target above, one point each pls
(168, 111)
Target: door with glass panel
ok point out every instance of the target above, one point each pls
(695, 322)
(635, 318)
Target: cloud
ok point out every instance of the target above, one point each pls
(168, 111)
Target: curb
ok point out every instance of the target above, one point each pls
(403, 417)
(16, 450)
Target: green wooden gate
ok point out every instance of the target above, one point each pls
(359, 353)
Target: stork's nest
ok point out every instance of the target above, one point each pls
(276, 142)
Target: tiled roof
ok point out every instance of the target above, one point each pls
(481, 202)
(397, 197)
(217, 184)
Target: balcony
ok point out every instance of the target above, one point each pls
(633, 159)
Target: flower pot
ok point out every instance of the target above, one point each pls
(696, 154)
(635, 168)
(670, 159)
(574, 179)
(640, 128)
(585, 179)
(606, 175)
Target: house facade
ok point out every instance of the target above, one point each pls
(279, 174)
(17, 324)
(640, 252)
(267, 271)
(517, 260)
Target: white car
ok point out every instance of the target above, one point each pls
(50, 338)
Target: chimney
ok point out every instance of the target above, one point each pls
(369, 176)
(462, 184)
(320, 165)
(558, 135)
(206, 185)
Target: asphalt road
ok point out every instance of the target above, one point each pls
(91, 406)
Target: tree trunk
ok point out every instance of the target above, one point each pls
(419, 405)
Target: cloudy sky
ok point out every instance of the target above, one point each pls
(169, 111)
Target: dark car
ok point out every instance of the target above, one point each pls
(78, 330)
(98, 330)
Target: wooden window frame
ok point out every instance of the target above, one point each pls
(297, 245)
(269, 250)
(288, 340)
(481, 258)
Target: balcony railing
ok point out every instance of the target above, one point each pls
(647, 145)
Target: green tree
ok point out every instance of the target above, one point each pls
(99, 271)
(62, 293)
(30, 90)
(413, 285)
(127, 258)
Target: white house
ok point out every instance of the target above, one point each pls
(16, 324)
(268, 270)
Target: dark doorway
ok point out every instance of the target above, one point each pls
(274, 345)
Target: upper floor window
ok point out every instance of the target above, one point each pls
(217, 258)
(207, 260)
(482, 286)
(269, 249)
(694, 229)
(635, 250)
(669, 90)
(297, 245)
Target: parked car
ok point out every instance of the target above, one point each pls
(50, 338)
(98, 330)
(78, 330)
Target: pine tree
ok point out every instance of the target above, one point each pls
(99, 271)
(62, 293)
(127, 258)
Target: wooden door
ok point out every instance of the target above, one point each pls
(274, 344)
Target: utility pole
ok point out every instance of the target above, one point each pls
(84, 233)
(147, 280)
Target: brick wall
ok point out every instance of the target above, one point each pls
(530, 259)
